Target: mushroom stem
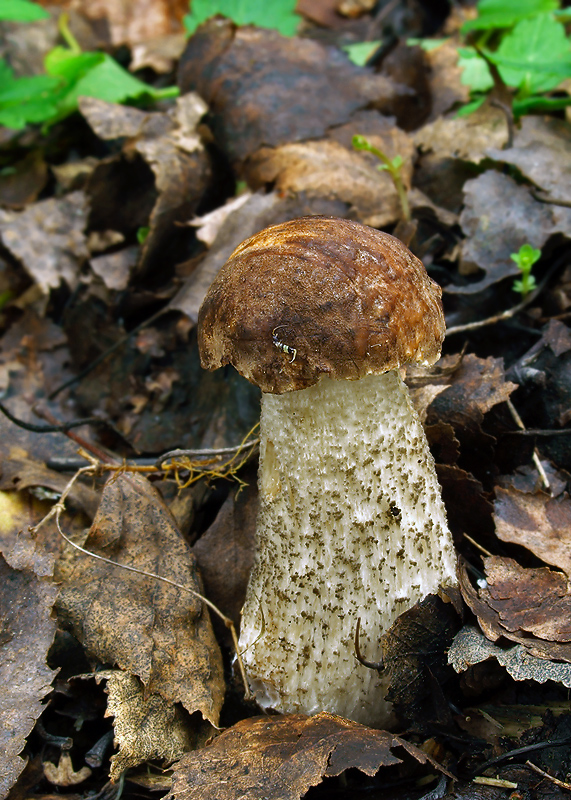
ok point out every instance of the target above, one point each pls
(351, 525)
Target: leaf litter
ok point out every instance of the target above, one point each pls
(105, 259)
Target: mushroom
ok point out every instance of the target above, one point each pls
(320, 313)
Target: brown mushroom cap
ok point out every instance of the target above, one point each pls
(319, 296)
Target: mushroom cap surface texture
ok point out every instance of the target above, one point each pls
(319, 296)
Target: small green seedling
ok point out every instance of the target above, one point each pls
(393, 166)
(525, 259)
(70, 74)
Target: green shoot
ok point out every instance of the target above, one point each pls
(525, 259)
(393, 167)
(70, 74)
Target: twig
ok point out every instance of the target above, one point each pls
(510, 312)
(57, 510)
(477, 546)
(370, 664)
(59, 428)
(536, 460)
(549, 777)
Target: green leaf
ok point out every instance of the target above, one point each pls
(539, 103)
(21, 11)
(360, 52)
(535, 56)
(426, 44)
(475, 72)
(278, 14)
(24, 100)
(98, 75)
(505, 13)
(469, 108)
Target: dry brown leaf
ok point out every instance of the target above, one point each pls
(280, 758)
(26, 633)
(446, 88)
(169, 144)
(267, 89)
(64, 774)
(146, 726)
(533, 603)
(48, 238)
(225, 552)
(492, 234)
(541, 151)
(466, 138)
(158, 632)
(536, 521)
(332, 168)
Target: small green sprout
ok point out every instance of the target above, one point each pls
(393, 166)
(525, 259)
(142, 234)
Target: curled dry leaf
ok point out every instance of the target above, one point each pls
(471, 647)
(331, 168)
(528, 606)
(280, 758)
(171, 148)
(64, 774)
(26, 634)
(267, 89)
(146, 726)
(158, 632)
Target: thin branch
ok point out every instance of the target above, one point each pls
(536, 460)
(510, 312)
(60, 428)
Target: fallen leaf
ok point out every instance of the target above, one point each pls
(26, 634)
(158, 632)
(48, 238)
(542, 153)
(536, 521)
(266, 89)
(146, 726)
(499, 216)
(225, 551)
(534, 601)
(64, 774)
(414, 657)
(471, 647)
(332, 168)
(282, 757)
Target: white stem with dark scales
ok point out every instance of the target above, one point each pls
(351, 524)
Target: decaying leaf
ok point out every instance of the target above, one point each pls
(280, 758)
(158, 632)
(471, 647)
(146, 727)
(48, 238)
(499, 216)
(64, 774)
(414, 657)
(26, 633)
(267, 89)
(169, 145)
(537, 521)
(525, 605)
(225, 552)
(541, 151)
